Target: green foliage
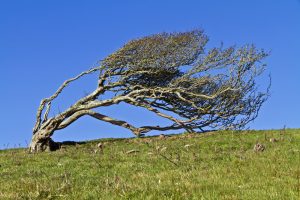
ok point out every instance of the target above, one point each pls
(219, 165)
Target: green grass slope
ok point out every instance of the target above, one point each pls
(219, 165)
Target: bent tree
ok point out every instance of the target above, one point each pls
(171, 75)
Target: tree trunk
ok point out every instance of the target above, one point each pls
(41, 141)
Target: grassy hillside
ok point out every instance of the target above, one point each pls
(219, 165)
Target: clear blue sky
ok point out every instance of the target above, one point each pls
(42, 43)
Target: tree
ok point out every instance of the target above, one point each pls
(171, 75)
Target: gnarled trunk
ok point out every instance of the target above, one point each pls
(41, 141)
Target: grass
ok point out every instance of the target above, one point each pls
(219, 165)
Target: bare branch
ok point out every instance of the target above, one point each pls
(101, 117)
(59, 90)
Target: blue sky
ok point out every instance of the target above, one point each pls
(42, 43)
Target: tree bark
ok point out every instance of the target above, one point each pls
(41, 141)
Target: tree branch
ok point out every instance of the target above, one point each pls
(59, 90)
